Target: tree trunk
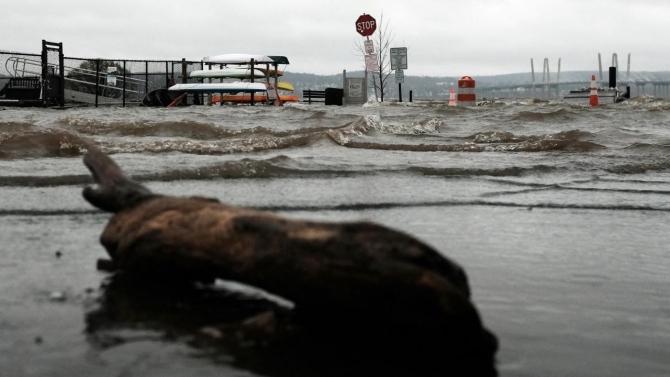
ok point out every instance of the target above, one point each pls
(365, 275)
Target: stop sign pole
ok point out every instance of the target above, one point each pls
(366, 26)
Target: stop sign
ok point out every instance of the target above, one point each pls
(366, 25)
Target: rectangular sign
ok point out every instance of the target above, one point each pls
(272, 93)
(371, 62)
(399, 76)
(398, 58)
(111, 76)
(369, 47)
(355, 87)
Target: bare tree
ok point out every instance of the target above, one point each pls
(382, 40)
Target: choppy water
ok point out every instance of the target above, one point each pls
(558, 212)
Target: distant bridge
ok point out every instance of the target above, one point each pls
(548, 88)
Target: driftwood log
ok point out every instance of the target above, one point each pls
(362, 277)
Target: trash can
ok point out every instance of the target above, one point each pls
(334, 96)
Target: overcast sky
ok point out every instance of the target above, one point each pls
(443, 37)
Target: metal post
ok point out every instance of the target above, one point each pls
(184, 76)
(276, 67)
(209, 81)
(252, 81)
(97, 80)
(124, 84)
(61, 62)
(410, 96)
(267, 81)
(345, 90)
(45, 83)
(146, 77)
(399, 92)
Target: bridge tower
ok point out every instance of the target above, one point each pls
(545, 71)
(546, 78)
(615, 64)
(546, 84)
(532, 71)
(600, 68)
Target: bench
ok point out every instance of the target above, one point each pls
(310, 95)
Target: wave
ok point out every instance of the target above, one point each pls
(32, 181)
(359, 127)
(143, 128)
(318, 115)
(276, 167)
(46, 212)
(15, 127)
(366, 124)
(651, 102)
(426, 126)
(647, 146)
(640, 168)
(538, 146)
(532, 116)
(494, 172)
(246, 168)
(246, 145)
(414, 147)
(48, 143)
(452, 203)
(548, 145)
(535, 101)
(53, 143)
(185, 129)
(505, 141)
(508, 137)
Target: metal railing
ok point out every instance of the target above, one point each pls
(91, 80)
(88, 82)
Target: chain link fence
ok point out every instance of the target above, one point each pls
(99, 82)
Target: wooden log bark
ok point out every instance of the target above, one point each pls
(358, 275)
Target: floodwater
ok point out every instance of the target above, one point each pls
(559, 213)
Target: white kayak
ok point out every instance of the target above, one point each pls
(232, 87)
(245, 59)
(235, 73)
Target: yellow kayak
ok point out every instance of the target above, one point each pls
(283, 85)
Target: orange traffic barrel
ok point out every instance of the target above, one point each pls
(466, 91)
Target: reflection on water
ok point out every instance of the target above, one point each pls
(263, 335)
